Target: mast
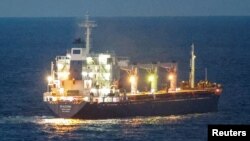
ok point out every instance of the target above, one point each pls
(205, 74)
(88, 25)
(52, 70)
(192, 68)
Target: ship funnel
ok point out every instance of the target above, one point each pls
(192, 68)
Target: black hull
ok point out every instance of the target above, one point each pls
(173, 105)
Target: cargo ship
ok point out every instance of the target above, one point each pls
(87, 85)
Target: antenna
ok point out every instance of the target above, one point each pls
(192, 66)
(88, 25)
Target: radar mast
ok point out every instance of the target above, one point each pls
(88, 25)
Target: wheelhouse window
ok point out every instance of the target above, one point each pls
(77, 51)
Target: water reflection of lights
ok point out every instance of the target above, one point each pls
(61, 126)
(61, 121)
(154, 120)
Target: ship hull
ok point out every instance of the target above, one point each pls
(156, 106)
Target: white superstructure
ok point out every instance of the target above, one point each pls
(95, 77)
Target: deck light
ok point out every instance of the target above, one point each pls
(151, 78)
(49, 78)
(132, 79)
(170, 77)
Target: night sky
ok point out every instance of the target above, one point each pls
(110, 8)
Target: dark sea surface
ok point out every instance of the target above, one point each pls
(28, 45)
